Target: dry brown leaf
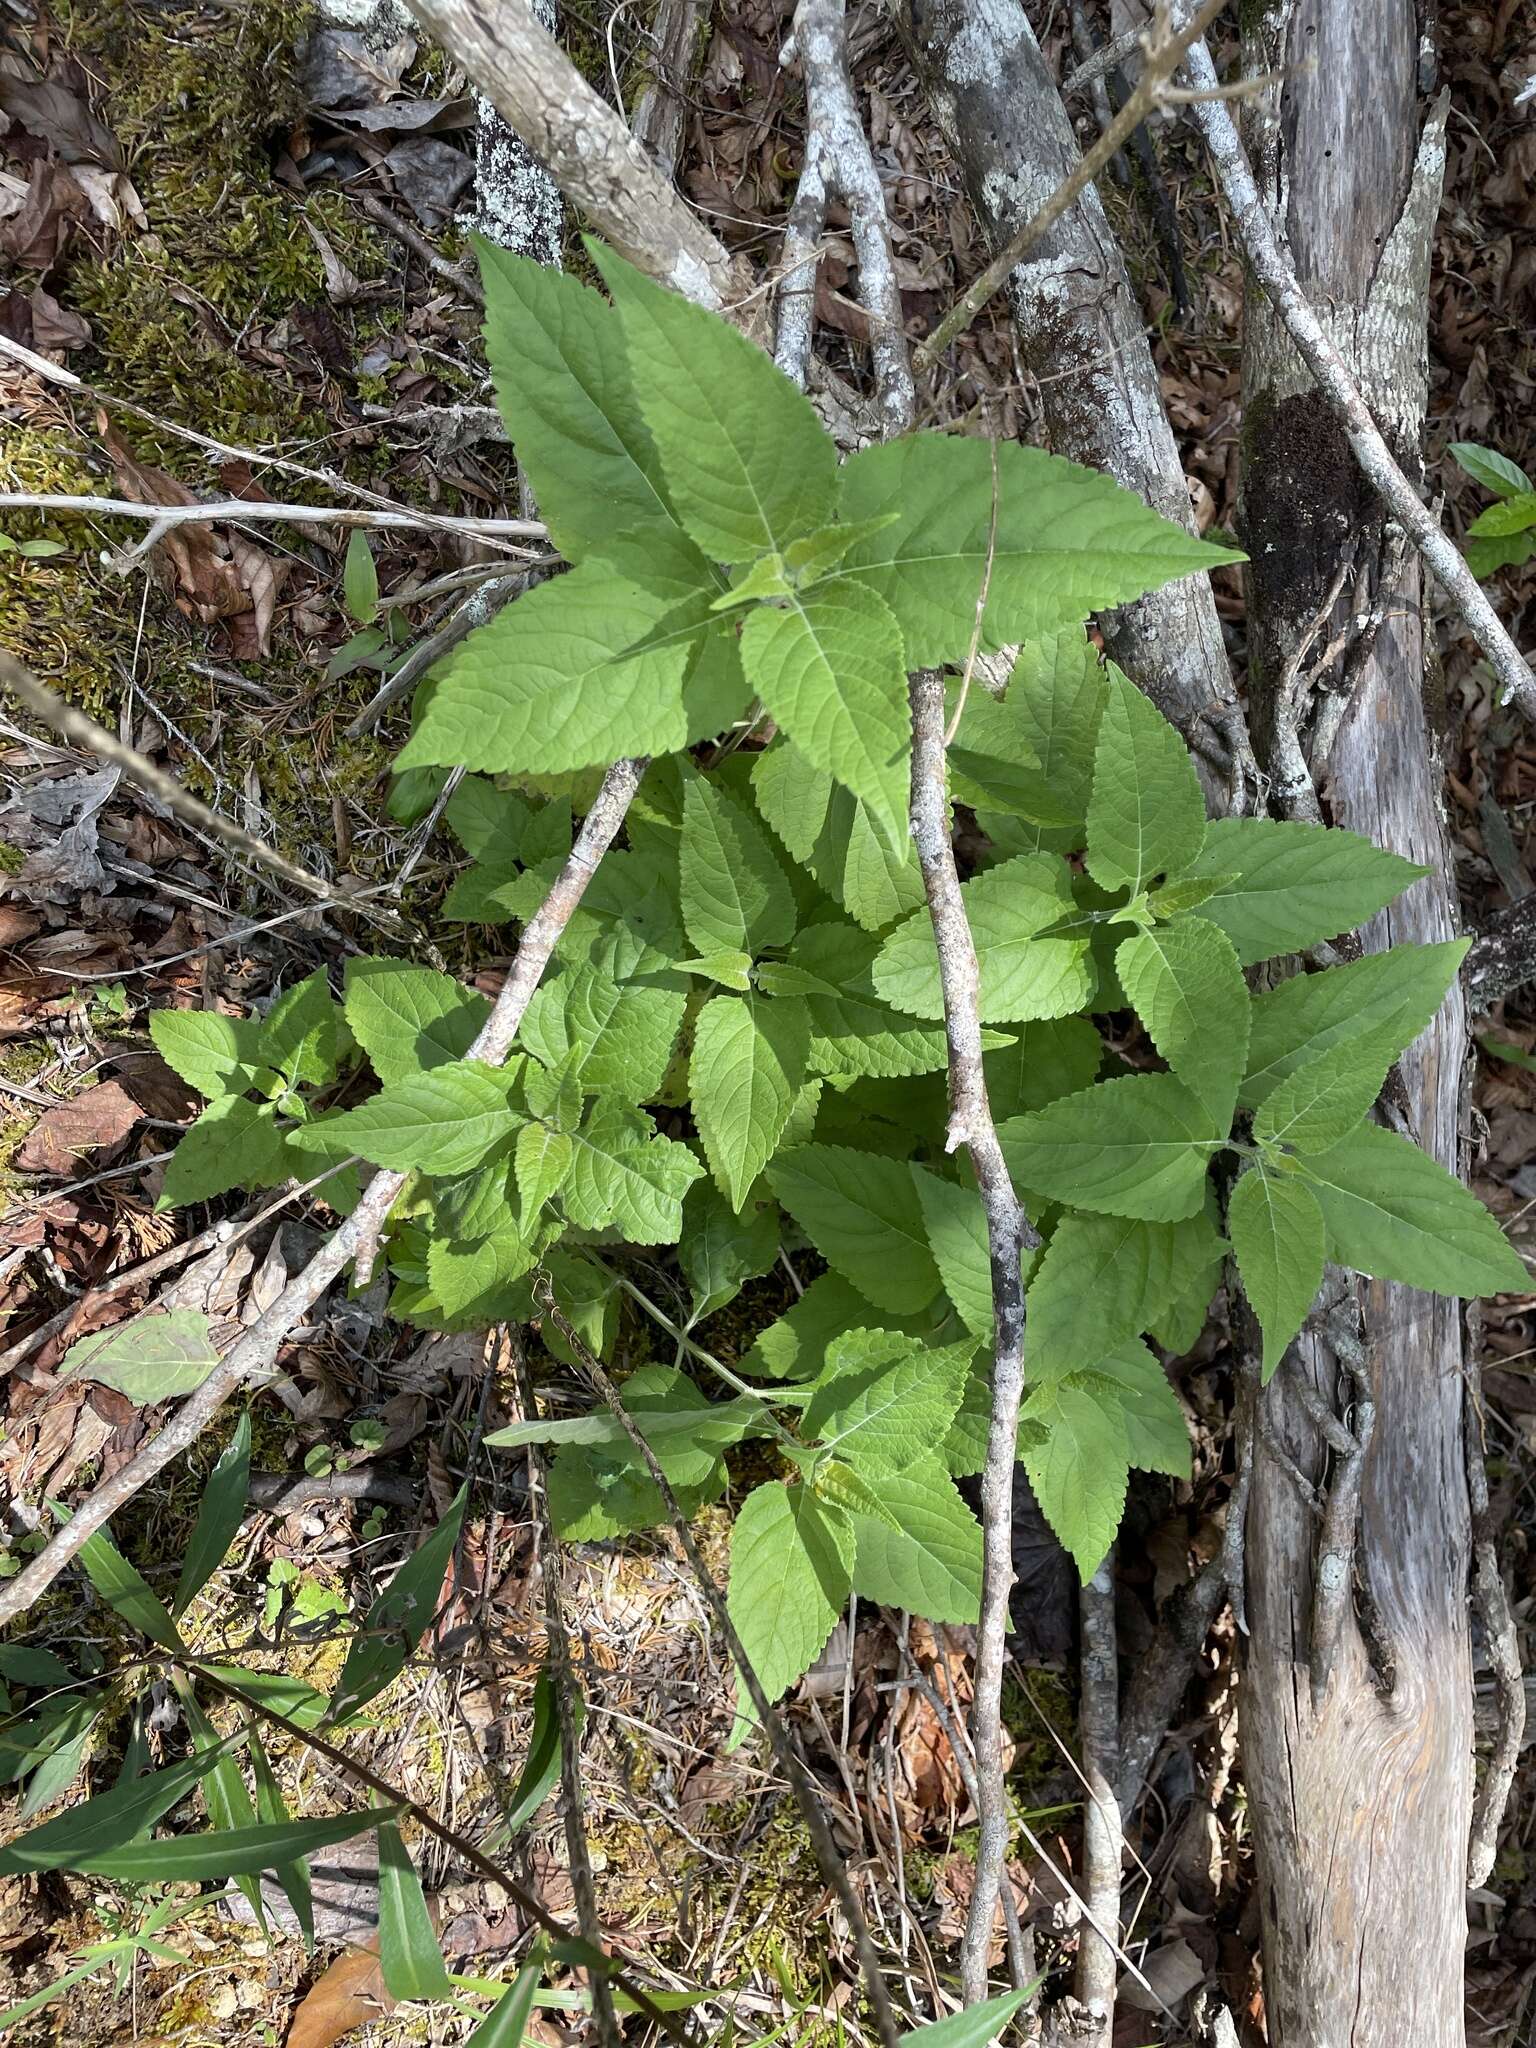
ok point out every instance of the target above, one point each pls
(349, 1994)
(98, 1116)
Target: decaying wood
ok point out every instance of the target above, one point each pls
(1082, 333)
(1360, 1799)
(1099, 1719)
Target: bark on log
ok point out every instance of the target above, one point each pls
(1082, 332)
(1360, 1802)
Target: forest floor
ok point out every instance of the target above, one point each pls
(184, 225)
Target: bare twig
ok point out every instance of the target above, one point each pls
(1108, 57)
(1009, 1232)
(828, 1861)
(1338, 385)
(1164, 52)
(1099, 1720)
(82, 731)
(385, 217)
(250, 511)
(1502, 1641)
(358, 1236)
(469, 612)
(838, 162)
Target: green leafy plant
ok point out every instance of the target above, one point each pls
(1504, 535)
(741, 1045)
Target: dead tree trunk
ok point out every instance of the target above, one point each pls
(1357, 1729)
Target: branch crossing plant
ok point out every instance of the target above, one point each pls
(740, 1050)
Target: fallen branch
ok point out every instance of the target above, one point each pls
(1337, 384)
(1009, 1232)
(1099, 1719)
(1503, 1646)
(838, 164)
(829, 1862)
(358, 1237)
(1164, 50)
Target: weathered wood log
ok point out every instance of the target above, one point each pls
(1358, 1755)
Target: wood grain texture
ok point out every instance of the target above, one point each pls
(1360, 1804)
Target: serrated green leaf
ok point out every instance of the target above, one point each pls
(829, 666)
(956, 1224)
(1056, 694)
(1146, 816)
(216, 1055)
(924, 1551)
(409, 1957)
(1493, 471)
(1102, 1279)
(398, 1618)
(1392, 1212)
(219, 1515)
(844, 1488)
(730, 970)
(1023, 976)
(862, 1214)
(1515, 514)
(719, 1250)
(748, 465)
(791, 1570)
(157, 1356)
(561, 373)
(541, 1161)
(831, 833)
(1324, 1098)
(304, 1035)
(622, 1173)
(1185, 983)
(733, 892)
(235, 1143)
(592, 1499)
(548, 684)
(473, 1205)
(490, 824)
(883, 1401)
(1078, 1473)
(765, 577)
(1393, 994)
(795, 1347)
(617, 1037)
(408, 1019)
(1295, 884)
(1138, 1146)
(1068, 541)
(445, 1121)
(1276, 1228)
(472, 1283)
(852, 1030)
(747, 1066)
(1156, 1429)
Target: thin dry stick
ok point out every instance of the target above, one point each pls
(464, 1849)
(1009, 1231)
(82, 731)
(1492, 1598)
(547, 1553)
(1337, 384)
(828, 1860)
(1164, 52)
(251, 511)
(1097, 1953)
(838, 161)
(358, 1237)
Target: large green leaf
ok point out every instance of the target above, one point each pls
(1049, 1057)
(1287, 886)
(1323, 1099)
(445, 1121)
(1276, 1228)
(734, 896)
(747, 1066)
(622, 1173)
(409, 1957)
(234, 1143)
(1146, 816)
(748, 465)
(219, 1515)
(1186, 985)
(226, 1852)
(548, 684)
(852, 1030)
(616, 1037)
(304, 1035)
(407, 1018)
(830, 832)
(795, 1347)
(1068, 541)
(862, 1214)
(1392, 1212)
(1156, 1432)
(1138, 1146)
(829, 666)
(883, 1401)
(557, 358)
(1056, 694)
(1102, 1279)
(1078, 1471)
(1394, 993)
(720, 1250)
(791, 1570)
(475, 1283)
(111, 1819)
(157, 1356)
(976, 2027)
(924, 1552)
(1023, 976)
(217, 1055)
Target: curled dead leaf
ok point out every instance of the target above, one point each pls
(94, 1118)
